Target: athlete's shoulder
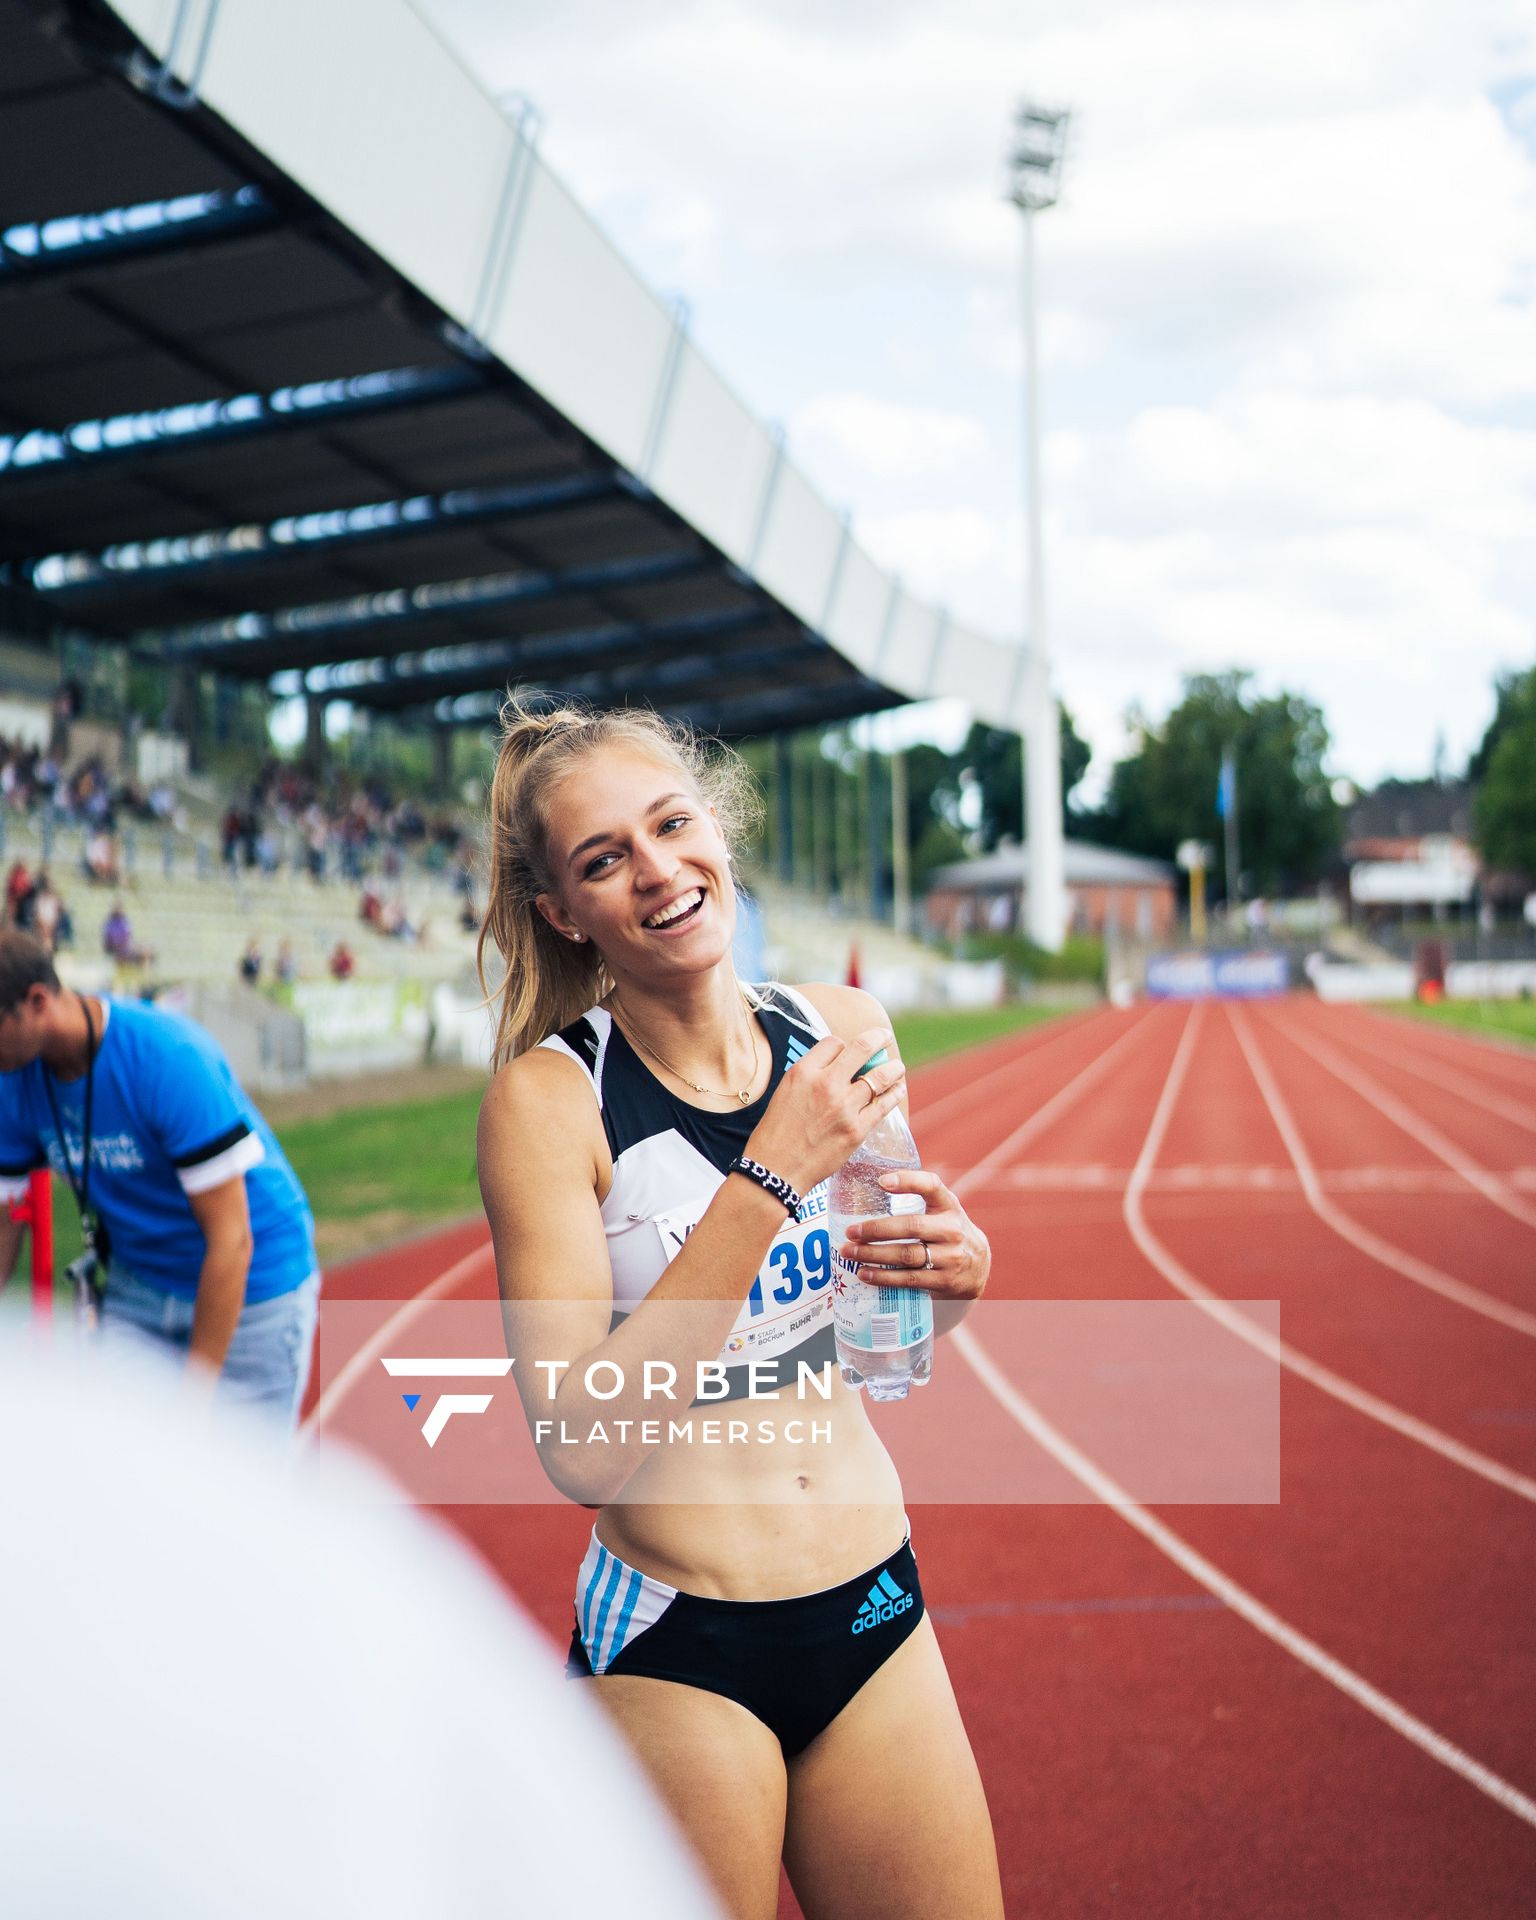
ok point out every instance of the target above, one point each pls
(848, 1011)
(546, 1089)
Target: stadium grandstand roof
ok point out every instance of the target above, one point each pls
(309, 366)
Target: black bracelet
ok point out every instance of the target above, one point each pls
(772, 1183)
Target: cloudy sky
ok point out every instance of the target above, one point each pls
(1288, 311)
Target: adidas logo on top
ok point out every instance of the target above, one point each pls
(886, 1600)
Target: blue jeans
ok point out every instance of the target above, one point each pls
(267, 1365)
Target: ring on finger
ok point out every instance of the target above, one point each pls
(873, 1096)
(927, 1256)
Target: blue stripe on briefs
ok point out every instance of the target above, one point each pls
(615, 1646)
(592, 1586)
(602, 1612)
(889, 1584)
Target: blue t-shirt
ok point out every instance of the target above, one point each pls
(168, 1119)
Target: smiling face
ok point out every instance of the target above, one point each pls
(639, 865)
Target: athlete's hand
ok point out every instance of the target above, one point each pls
(820, 1112)
(943, 1251)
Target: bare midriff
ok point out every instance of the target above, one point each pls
(780, 1514)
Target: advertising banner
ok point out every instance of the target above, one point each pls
(1241, 974)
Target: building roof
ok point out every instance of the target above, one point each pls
(1086, 865)
(1411, 810)
(309, 364)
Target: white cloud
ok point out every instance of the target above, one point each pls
(885, 438)
(1288, 307)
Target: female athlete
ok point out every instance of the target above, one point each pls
(655, 1177)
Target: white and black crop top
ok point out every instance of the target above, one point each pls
(669, 1161)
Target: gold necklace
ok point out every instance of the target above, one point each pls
(743, 1094)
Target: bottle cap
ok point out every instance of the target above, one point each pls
(875, 1060)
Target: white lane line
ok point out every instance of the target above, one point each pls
(1324, 1378)
(1239, 1599)
(966, 1095)
(1475, 1092)
(1420, 1272)
(1486, 1182)
(1042, 1117)
(384, 1337)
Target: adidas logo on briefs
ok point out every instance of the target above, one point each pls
(885, 1601)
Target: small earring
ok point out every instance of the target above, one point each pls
(578, 937)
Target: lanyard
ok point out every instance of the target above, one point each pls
(81, 1188)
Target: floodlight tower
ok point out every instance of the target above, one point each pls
(1034, 184)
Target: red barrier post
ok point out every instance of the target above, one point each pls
(37, 1211)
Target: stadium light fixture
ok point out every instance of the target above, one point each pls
(1034, 184)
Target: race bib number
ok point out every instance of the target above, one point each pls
(788, 1299)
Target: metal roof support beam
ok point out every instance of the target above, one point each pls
(507, 221)
(666, 386)
(220, 551)
(217, 641)
(759, 714)
(50, 250)
(125, 437)
(159, 80)
(475, 663)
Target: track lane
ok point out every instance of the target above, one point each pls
(1383, 1253)
(1349, 1558)
(1157, 1630)
(1365, 1041)
(1504, 1062)
(1449, 1221)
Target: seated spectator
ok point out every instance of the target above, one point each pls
(47, 916)
(371, 909)
(250, 962)
(394, 921)
(284, 967)
(118, 942)
(341, 961)
(18, 885)
(101, 859)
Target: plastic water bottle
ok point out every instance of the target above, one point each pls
(884, 1334)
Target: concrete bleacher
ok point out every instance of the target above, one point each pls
(196, 915)
(808, 938)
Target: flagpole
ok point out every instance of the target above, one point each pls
(1226, 800)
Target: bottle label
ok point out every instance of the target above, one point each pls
(878, 1319)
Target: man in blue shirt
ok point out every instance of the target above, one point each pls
(212, 1245)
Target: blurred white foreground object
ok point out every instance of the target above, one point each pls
(240, 1689)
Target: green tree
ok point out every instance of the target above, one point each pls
(1505, 810)
(1508, 692)
(991, 757)
(1165, 791)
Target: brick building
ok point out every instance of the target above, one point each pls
(986, 895)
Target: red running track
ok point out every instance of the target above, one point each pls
(1322, 1706)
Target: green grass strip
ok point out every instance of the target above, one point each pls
(1509, 1019)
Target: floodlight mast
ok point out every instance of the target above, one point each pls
(1034, 185)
